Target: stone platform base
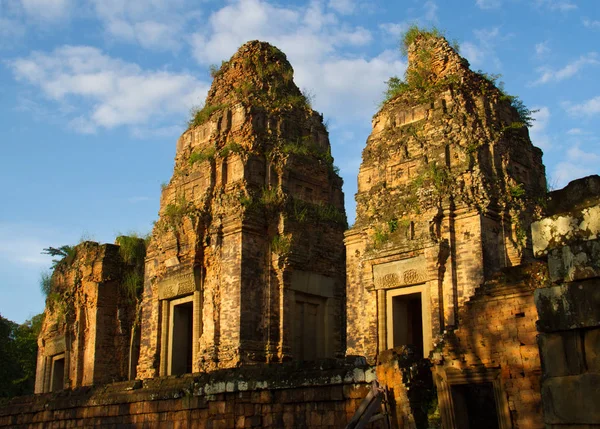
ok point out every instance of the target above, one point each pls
(316, 395)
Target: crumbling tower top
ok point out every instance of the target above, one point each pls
(257, 73)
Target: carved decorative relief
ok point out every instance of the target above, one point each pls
(405, 272)
(177, 285)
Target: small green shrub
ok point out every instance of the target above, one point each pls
(176, 211)
(67, 254)
(517, 191)
(132, 248)
(379, 238)
(204, 154)
(395, 87)
(393, 225)
(299, 210)
(244, 89)
(164, 185)
(132, 284)
(216, 70)
(46, 283)
(281, 245)
(329, 213)
(200, 116)
(525, 115)
(415, 32)
(230, 148)
(270, 197)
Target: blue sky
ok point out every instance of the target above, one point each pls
(94, 94)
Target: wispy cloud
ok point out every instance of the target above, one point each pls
(548, 75)
(577, 132)
(488, 4)
(345, 7)
(347, 94)
(23, 244)
(593, 24)
(394, 29)
(542, 50)
(483, 50)
(430, 11)
(153, 24)
(590, 107)
(537, 131)
(47, 10)
(556, 5)
(576, 163)
(113, 92)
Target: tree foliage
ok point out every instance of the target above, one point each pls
(18, 356)
(65, 252)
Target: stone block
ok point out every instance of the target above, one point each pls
(560, 230)
(561, 353)
(578, 261)
(568, 306)
(591, 346)
(572, 400)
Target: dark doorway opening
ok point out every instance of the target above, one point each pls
(58, 374)
(407, 319)
(306, 341)
(474, 406)
(181, 346)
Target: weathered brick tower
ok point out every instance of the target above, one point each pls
(89, 321)
(446, 191)
(234, 273)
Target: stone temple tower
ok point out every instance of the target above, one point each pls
(446, 192)
(246, 263)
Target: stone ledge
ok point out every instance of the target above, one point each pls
(574, 262)
(572, 400)
(568, 306)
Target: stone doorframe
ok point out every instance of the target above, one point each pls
(386, 314)
(445, 378)
(166, 341)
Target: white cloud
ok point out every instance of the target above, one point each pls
(23, 244)
(47, 10)
(542, 49)
(430, 11)
(348, 95)
(587, 108)
(484, 49)
(488, 4)
(153, 24)
(577, 132)
(577, 163)
(10, 31)
(327, 68)
(113, 91)
(593, 24)
(548, 75)
(473, 53)
(537, 131)
(560, 5)
(345, 7)
(393, 29)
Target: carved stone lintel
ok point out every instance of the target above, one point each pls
(183, 283)
(400, 273)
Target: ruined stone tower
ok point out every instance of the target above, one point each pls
(246, 263)
(90, 315)
(446, 191)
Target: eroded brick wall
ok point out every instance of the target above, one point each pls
(496, 344)
(269, 397)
